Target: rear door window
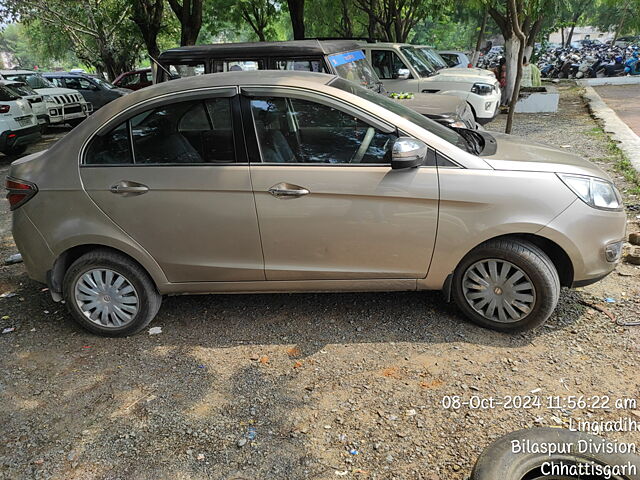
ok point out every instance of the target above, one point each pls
(186, 70)
(220, 66)
(301, 65)
(185, 133)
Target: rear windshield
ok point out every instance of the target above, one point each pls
(34, 80)
(353, 66)
(7, 94)
(443, 132)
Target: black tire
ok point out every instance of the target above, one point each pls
(19, 150)
(149, 299)
(533, 262)
(501, 460)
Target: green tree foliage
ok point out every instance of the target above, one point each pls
(621, 16)
(99, 32)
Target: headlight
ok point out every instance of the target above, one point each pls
(48, 98)
(482, 88)
(458, 124)
(595, 192)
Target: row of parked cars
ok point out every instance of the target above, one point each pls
(464, 97)
(417, 76)
(31, 101)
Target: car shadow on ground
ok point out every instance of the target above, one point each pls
(314, 320)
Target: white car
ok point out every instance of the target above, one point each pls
(455, 59)
(443, 66)
(64, 105)
(18, 125)
(403, 68)
(36, 100)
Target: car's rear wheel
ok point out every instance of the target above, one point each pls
(506, 285)
(109, 294)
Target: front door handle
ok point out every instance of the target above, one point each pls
(287, 190)
(128, 189)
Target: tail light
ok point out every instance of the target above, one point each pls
(19, 192)
(469, 65)
(5, 108)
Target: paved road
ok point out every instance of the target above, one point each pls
(624, 100)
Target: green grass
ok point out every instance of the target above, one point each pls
(619, 160)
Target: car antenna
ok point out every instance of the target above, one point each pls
(159, 65)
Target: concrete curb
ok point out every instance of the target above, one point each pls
(611, 123)
(596, 82)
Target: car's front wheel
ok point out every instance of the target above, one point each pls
(109, 294)
(508, 285)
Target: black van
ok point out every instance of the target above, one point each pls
(343, 58)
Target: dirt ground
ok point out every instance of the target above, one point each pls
(307, 386)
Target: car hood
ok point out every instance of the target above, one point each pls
(468, 71)
(55, 91)
(434, 104)
(515, 153)
(121, 91)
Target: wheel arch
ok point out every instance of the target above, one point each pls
(558, 256)
(62, 263)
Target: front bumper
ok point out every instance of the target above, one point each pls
(10, 139)
(584, 233)
(68, 111)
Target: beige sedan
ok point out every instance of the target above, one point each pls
(297, 182)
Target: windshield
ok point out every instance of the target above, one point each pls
(103, 83)
(434, 57)
(34, 80)
(418, 61)
(353, 66)
(441, 131)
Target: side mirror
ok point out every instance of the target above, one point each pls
(408, 153)
(403, 74)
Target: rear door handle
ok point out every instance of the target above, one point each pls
(287, 190)
(129, 189)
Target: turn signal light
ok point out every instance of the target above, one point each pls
(5, 108)
(19, 192)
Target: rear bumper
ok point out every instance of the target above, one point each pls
(15, 138)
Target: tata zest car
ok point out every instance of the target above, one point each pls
(293, 182)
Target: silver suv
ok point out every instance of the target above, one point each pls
(292, 182)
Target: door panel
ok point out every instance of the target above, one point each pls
(198, 222)
(328, 203)
(168, 177)
(356, 222)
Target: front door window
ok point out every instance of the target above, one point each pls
(291, 130)
(387, 64)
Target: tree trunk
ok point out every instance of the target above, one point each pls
(296, 12)
(483, 26)
(190, 16)
(147, 15)
(511, 52)
(562, 42)
(570, 36)
(514, 9)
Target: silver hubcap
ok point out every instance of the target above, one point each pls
(106, 298)
(498, 290)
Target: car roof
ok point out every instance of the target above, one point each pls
(14, 72)
(252, 49)
(66, 74)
